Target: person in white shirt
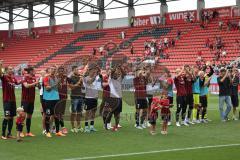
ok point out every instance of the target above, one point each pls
(115, 100)
(90, 83)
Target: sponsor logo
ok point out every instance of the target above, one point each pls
(181, 15)
(147, 20)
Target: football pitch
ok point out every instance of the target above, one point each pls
(213, 141)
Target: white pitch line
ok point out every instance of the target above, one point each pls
(150, 152)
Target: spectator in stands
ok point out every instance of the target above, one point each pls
(123, 34)
(220, 24)
(166, 42)
(94, 51)
(3, 46)
(173, 42)
(215, 14)
(219, 44)
(178, 34)
(229, 25)
(101, 50)
(158, 20)
(188, 17)
(224, 53)
(132, 22)
(146, 45)
(97, 26)
(202, 25)
(132, 50)
(206, 17)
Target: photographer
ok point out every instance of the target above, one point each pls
(224, 82)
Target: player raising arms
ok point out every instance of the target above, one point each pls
(9, 99)
(28, 97)
(115, 99)
(139, 83)
(91, 97)
(179, 82)
(189, 97)
(51, 98)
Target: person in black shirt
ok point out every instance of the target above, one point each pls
(234, 91)
(75, 83)
(224, 82)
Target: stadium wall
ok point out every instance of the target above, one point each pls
(81, 26)
(114, 23)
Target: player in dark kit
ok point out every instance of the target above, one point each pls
(62, 89)
(28, 97)
(9, 100)
(140, 83)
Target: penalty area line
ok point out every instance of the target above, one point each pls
(150, 152)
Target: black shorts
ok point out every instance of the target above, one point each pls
(9, 109)
(115, 104)
(189, 101)
(149, 98)
(235, 101)
(141, 103)
(203, 101)
(28, 107)
(181, 101)
(170, 100)
(91, 103)
(165, 118)
(50, 105)
(153, 120)
(19, 127)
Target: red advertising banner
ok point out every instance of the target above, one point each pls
(223, 12)
(41, 30)
(235, 11)
(20, 33)
(65, 28)
(3, 35)
(147, 20)
(180, 17)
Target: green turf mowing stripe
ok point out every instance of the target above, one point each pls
(150, 152)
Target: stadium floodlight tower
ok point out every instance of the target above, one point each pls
(131, 10)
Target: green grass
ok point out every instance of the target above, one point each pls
(129, 140)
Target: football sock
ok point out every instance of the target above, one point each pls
(28, 124)
(4, 127)
(10, 125)
(57, 124)
(194, 113)
(47, 124)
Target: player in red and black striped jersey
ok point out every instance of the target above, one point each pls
(62, 89)
(9, 100)
(28, 97)
(140, 85)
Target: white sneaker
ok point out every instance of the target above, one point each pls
(109, 126)
(197, 121)
(169, 123)
(178, 124)
(44, 132)
(139, 127)
(235, 119)
(143, 126)
(119, 126)
(191, 122)
(148, 124)
(185, 124)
